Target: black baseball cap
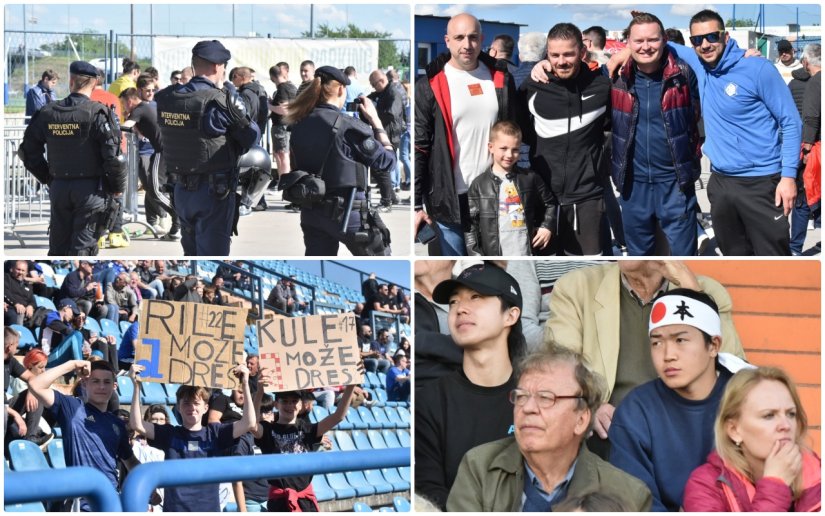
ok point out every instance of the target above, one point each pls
(486, 279)
(784, 46)
(330, 72)
(70, 303)
(212, 51)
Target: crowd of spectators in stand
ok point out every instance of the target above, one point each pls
(83, 365)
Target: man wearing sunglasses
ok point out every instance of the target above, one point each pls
(753, 138)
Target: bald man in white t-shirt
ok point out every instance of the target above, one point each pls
(463, 93)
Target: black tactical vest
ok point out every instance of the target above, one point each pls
(311, 137)
(71, 152)
(186, 150)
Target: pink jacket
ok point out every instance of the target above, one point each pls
(713, 487)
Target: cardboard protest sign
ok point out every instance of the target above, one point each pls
(190, 343)
(310, 352)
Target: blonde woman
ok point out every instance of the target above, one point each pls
(761, 462)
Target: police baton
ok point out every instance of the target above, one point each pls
(348, 210)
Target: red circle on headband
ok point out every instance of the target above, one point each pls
(658, 313)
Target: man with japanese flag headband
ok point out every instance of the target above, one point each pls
(663, 429)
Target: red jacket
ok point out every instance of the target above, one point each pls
(713, 487)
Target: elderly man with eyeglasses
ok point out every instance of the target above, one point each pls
(545, 463)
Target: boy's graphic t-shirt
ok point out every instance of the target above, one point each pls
(512, 227)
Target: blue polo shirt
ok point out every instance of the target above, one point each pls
(179, 443)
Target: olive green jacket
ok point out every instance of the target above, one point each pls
(491, 479)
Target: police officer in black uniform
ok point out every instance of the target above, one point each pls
(205, 129)
(338, 149)
(83, 165)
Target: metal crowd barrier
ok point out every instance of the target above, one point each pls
(26, 201)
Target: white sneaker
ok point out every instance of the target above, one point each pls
(244, 211)
(158, 229)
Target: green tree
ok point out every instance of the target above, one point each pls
(388, 54)
(740, 22)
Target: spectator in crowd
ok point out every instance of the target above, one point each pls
(398, 379)
(677, 408)
(58, 339)
(80, 286)
(436, 354)
(186, 75)
(153, 288)
(94, 344)
(368, 355)
(221, 297)
(175, 77)
(369, 287)
(92, 436)
(307, 71)
(190, 291)
(153, 73)
(241, 77)
(24, 410)
(121, 300)
(18, 297)
(531, 47)
(545, 462)
(285, 93)
(192, 439)
(761, 461)
(594, 39)
(405, 346)
(511, 210)
(354, 89)
(389, 103)
(753, 185)
(174, 283)
(484, 320)
(812, 131)
(292, 435)
(131, 71)
(787, 62)
(602, 312)
(146, 88)
(450, 138)
(42, 93)
(380, 348)
(568, 161)
(282, 297)
(209, 296)
(502, 48)
(656, 145)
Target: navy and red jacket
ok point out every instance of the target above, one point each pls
(434, 152)
(680, 111)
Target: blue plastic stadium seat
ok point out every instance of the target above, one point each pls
(376, 480)
(403, 438)
(368, 417)
(362, 442)
(395, 417)
(125, 389)
(361, 507)
(56, 456)
(391, 438)
(381, 396)
(374, 381)
(172, 393)
(381, 416)
(322, 490)
(401, 504)
(392, 476)
(91, 324)
(355, 418)
(44, 301)
(376, 440)
(124, 327)
(404, 412)
(339, 484)
(344, 440)
(26, 456)
(404, 472)
(382, 380)
(358, 482)
(27, 339)
(152, 393)
(110, 327)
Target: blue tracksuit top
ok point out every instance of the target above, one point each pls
(751, 122)
(652, 158)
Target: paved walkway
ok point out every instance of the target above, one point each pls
(275, 232)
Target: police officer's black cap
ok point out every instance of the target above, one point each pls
(330, 72)
(82, 68)
(212, 51)
(486, 279)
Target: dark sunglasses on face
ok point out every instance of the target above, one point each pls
(712, 37)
